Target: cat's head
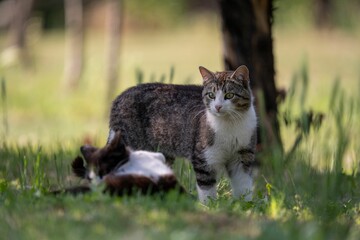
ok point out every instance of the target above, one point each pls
(226, 93)
(100, 161)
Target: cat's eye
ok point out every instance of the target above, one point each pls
(211, 95)
(229, 95)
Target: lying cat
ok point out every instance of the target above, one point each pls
(214, 126)
(123, 170)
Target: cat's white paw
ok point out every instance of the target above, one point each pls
(206, 194)
(242, 185)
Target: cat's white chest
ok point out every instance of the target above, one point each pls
(230, 137)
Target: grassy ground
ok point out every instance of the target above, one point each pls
(308, 191)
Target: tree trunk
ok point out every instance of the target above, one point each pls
(114, 22)
(18, 26)
(247, 39)
(323, 10)
(74, 42)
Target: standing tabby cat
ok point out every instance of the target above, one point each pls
(214, 126)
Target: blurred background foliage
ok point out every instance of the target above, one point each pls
(310, 189)
(342, 14)
(160, 39)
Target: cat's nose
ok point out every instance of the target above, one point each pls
(218, 107)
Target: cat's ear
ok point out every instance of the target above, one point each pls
(78, 167)
(206, 74)
(87, 151)
(241, 73)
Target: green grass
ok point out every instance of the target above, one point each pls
(293, 200)
(308, 191)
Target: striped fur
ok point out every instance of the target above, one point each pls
(212, 125)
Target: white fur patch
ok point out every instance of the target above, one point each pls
(230, 136)
(94, 178)
(242, 185)
(144, 163)
(205, 194)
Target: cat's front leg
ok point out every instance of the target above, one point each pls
(241, 176)
(241, 183)
(205, 193)
(205, 181)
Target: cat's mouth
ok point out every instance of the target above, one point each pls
(219, 113)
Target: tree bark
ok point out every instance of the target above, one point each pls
(18, 26)
(323, 10)
(74, 42)
(247, 39)
(114, 24)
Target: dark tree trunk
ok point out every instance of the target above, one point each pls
(74, 42)
(18, 26)
(247, 39)
(114, 22)
(323, 10)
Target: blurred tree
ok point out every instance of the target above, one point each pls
(323, 11)
(51, 12)
(247, 39)
(21, 11)
(114, 24)
(6, 12)
(74, 42)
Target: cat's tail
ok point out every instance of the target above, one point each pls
(111, 136)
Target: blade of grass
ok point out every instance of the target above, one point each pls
(4, 107)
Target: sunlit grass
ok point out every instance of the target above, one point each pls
(310, 191)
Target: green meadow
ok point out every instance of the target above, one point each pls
(309, 188)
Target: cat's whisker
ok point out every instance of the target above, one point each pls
(194, 107)
(197, 114)
(236, 115)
